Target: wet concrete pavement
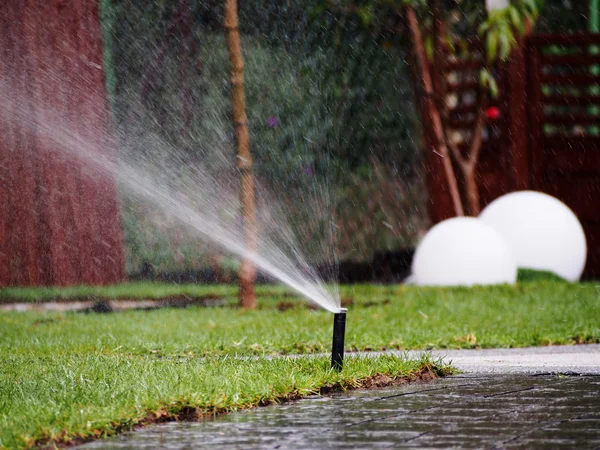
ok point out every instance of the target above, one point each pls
(565, 359)
(466, 411)
(545, 397)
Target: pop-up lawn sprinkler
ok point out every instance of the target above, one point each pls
(339, 333)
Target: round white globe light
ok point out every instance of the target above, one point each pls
(542, 232)
(463, 251)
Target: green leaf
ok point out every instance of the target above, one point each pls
(483, 28)
(515, 19)
(493, 86)
(484, 76)
(450, 44)
(428, 42)
(505, 44)
(491, 45)
(366, 15)
(487, 80)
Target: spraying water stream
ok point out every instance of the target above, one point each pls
(204, 202)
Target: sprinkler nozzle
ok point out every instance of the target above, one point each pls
(339, 333)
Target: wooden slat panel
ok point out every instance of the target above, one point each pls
(592, 236)
(574, 161)
(54, 89)
(564, 39)
(492, 184)
(439, 202)
(584, 100)
(464, 109)
(580, 193)
(567, 167)
(463, 64)
(468, 85)
(570, 79)
(93, 269)
(19, 249)
(570, 60)
(49, 238)
(461, 123)
(571, 119)
(106, 204)
(575, 142)
(535, 113)
(515, 118)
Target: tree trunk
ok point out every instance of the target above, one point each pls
(431, 110)
(247, 272)
(472, 191)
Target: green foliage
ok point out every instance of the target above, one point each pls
(502, 27)
(487, 80)
(333, 77)
(499, 30)
(563, 16)
(526, 275)
(319, 115)
(381, 212)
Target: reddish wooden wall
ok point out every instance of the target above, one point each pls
(548, 135)
(564, 118)
(59, 218)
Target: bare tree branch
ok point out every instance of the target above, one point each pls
(476, 139)
(456, 154)
(434, 115)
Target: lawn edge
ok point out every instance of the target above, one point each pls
(184, 412)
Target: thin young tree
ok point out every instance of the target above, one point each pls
(439, 31)
(434, 40)
(247, 271)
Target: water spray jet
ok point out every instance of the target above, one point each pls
(339, 334)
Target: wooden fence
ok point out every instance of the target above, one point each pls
(547, 137)
(59, 218)
(564, 118)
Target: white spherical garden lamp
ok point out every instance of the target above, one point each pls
(542, 232)
(463, 251)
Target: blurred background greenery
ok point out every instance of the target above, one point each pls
(330, 106)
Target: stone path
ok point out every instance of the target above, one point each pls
(508, 399)
(490, 411)
(566, 359)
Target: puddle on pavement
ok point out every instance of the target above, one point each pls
(496, 411)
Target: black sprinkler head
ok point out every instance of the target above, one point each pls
(339, 333)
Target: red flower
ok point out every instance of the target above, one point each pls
(492, 113)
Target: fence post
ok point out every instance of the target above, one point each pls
(517, 124)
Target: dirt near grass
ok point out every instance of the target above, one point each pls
(106, 305)
(189, 413)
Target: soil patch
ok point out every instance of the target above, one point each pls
(107, 305)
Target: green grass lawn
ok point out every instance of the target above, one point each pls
(66, 376)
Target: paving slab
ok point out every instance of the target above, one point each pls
(491, 411)
(575, 359)
(543, 397)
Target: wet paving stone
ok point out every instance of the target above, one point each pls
(495, 412)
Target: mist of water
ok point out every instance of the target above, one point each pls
(199, 197)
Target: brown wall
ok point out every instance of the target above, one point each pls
(59, 217)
